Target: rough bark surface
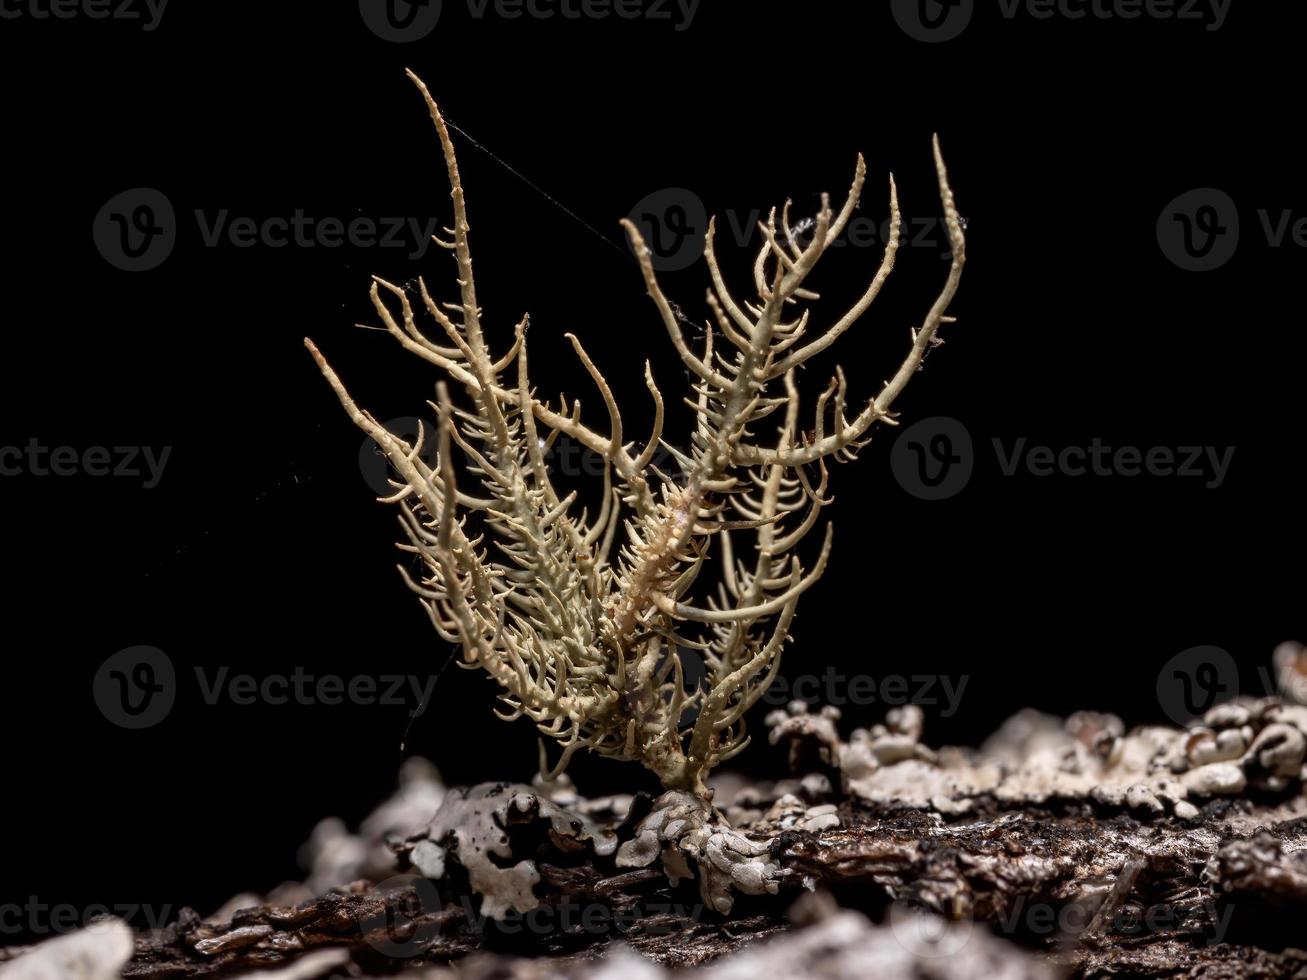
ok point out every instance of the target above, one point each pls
(1088, 894)
(1058, 849)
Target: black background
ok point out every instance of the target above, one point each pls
(261, 548)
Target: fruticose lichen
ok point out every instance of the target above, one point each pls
(585, 639)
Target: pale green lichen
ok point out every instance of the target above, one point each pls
(584, 644)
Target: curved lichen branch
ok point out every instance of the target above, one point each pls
(847, 433)
(584, 617)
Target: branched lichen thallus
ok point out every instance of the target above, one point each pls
(579, 616)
